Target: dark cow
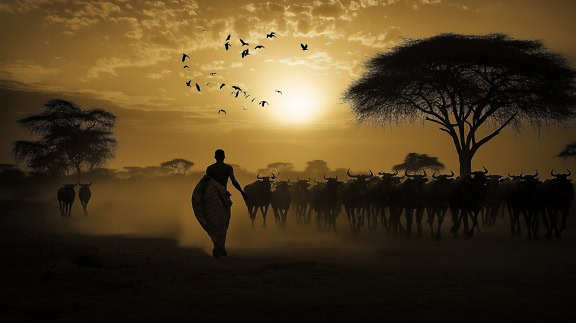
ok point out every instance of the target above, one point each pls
(411, 198)
(84, 195)
(300, 199)
(258, 197)
(325, 203)
(66, 195)
(379, 195)
(524, 197)
(558, 196)
(466, 201)
(436, 200)
(280, 201)
(352, 195)
(494, 199)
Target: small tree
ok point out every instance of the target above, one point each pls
(66, 137)
(179, 165)
(569, 151)
(461, 83)
(415, 162)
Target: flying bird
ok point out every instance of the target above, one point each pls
(198, 87)
(245, 53)
(271, 35)
(246, 95)
(207, 83)
(258, 47)
(237, 88)
(304, 46)
(184, 56)
(227, 45)
(212, 74)
(244, 43)
(243, 108)
(278, 91)
(204, 30)
(221, 110)
(237, 92)
(263, 102)
(188, 83)
(185, 66)
(228, 38)
(222, 85)
(253, 100)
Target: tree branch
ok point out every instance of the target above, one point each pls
(484, 140)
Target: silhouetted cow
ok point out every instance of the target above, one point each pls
(84, 195)
(66, 195)
(300, 199)
(324, 201)
(466, 200)
(258, 197)
(412, 201)
(353, 197)
(558, 197)
(436, 200)
(280, 201)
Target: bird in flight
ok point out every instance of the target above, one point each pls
(237, 92)
(278, 91)
(204, 30)
(221, 110)
(184, 56)
(246, 95)
(263, 102)
(245, 52)
(222, 85)
(213, 73)
(237, 88)
(253, 100)
(185, 66)
(227, 45)
(244, 43)
(258, 47)
(207, 83)
(304, 46)
(243, 108)
(228, 38)
(198, 87)
(271, 35)
(188, 83)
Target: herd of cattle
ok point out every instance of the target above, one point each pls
(67, 194)
(396, 202)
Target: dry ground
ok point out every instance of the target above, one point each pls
(76, 271)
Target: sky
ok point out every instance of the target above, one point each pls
(125, 57)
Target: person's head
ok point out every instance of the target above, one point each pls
(219, 155)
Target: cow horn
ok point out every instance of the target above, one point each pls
(325, 177)
(534, 176)
(348, 172)
(336, 178)
(381, 173)
(395, 173)
(509, 175)
(485, 170)
(406, 174)
(258, 176)
(371, 174)
(451, 174)
(569, 172)
(90, 183)
(274, 176)
(434, 175)
(424, 172)
(552, 172)
(297, 178)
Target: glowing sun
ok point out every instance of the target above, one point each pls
(298, 104)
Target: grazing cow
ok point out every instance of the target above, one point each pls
(412, 201)
(558, 195)
(280, 201)
(84, 195)
(466, 200)
(436, 194)
(66, 195)
(258, 197)
(325, 203)
(379, 195)
(300, 199)
(352, 195)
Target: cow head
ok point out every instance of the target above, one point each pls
(561, 176)
(443, 178)
(282, 185)
(515, 177)
(360, 178)
(85, 185)
(417, 177)
(303, 183)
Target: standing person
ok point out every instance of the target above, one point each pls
(211, 202)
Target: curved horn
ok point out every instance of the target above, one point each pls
(434, 175)
(297, 178)
(485, 170)
(381, 173)
(90, 183)
(348, 172)
(336, 178)
(569, 172)
(451, 174)
(535, 174)
(395, 173)
(552, 173)
(406, 174)
(509, 175)
(325, 177)
(424, 172)
(371, 174)
(273, 176)
(258, 176)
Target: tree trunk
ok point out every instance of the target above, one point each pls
(78, 172)
(465, 163)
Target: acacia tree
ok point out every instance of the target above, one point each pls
(569, 151)
(461, 83)
(179, 165)
(415, 162)
(66, 136)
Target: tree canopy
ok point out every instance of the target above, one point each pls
(569, 151)
(461, 82)
(415, 162)
(179, 165)
(66, 136)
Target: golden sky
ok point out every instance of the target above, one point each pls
(124, 56)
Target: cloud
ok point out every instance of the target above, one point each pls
(26, 72)
(390, 37)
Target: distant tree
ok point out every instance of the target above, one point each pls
(10, 175)
(66, 136)
(316, 168)
(462, 82)
(179, 165)
(283, 168)
(569, 151)
(415, 162)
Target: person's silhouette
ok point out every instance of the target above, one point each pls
(220, 172)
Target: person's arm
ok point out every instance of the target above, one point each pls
(236, 184)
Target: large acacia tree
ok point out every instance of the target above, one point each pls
(66, 137)
(461, 83)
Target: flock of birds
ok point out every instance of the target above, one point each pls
(236, 89)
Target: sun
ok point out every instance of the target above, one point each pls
(298, 104)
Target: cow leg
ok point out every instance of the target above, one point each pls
(409, 219)
(264, 211)
(564, 213)
(419, 216)
(430, 221)
(440, 214)
(252, 212)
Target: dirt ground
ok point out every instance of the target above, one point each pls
(98, 268)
